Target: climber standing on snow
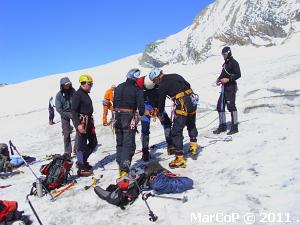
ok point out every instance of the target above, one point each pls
(108, 104)
(127, 99)
(51, 111)
(185, 102)
(63, 102)
(82, 114)
(150, 91)
(229, 74)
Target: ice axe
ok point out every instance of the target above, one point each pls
(152, 216)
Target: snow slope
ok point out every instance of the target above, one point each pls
(258, 172)
(242, 22)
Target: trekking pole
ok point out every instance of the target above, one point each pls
(11, 150)
(184, 199)
(33, 210)
(15, 149)
(152, 217)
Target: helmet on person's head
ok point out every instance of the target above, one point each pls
(85, 78)
(133, 74)
(154, 73)
(148, 83)
(226, 50)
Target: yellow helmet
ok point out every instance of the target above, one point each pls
(85, 78)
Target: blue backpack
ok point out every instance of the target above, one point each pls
(166, 182)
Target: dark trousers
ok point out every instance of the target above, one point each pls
(86, 144)
(180, 121)
(125, 137)
(51, 115)
(166, 123)
(227, 98)
(67, 130)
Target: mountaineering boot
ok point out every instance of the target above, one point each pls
(171, 150)
(193, 149)
(234, 123)
(83, 170)
(220, 129)
(122, 173)
(233, 130)
(88, 166)
(178, 162)
(146, 154)
(222, 123)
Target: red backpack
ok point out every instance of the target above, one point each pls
(57, 172)
(6, 208)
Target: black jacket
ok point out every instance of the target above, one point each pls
(128, 95)
(63, 102)
(81, 104)
(151, 96)
(170, 85)
(230, 70)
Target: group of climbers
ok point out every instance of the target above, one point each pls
(138, 99)
(147, 94)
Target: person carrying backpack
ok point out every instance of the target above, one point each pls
(82, 114)
(63, 102)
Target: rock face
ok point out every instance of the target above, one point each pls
(2, 85)
(227, 22)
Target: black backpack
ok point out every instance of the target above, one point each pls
(114, 195)
(57, 172)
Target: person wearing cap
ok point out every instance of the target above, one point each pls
(185, 101)
(127, 99)
(150, 91)
(51, 107)
(82, 115)
(63, 102)
(229, 74)
(107, 104)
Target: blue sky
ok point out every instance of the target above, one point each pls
(39, 38)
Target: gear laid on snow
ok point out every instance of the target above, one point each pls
(9, 213)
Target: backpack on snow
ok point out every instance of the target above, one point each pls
(57, 172)
(123, 193)
(9, 213)
(4, 158)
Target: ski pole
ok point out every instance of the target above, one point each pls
(184, 199)
(11, 150)
(11, 145)
(33, 210)
(153, 217)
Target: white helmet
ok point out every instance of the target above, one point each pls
(148, 83)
